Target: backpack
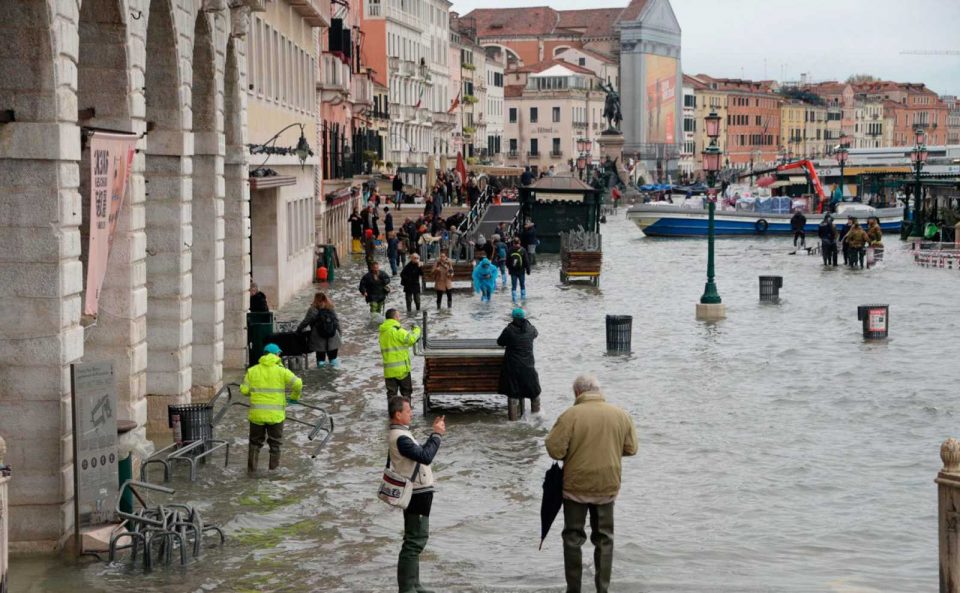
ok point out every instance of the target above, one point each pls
(501, 252)
(516, 261)
(326, 323)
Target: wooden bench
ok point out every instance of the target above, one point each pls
(581, 257)
(462, 367)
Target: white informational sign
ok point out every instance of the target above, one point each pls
(95, 442)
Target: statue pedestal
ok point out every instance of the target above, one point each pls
(611, 145)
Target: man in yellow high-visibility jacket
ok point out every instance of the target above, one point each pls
(267, 384)
(395, 343)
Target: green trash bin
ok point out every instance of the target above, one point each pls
(259, 328)
(327, 257)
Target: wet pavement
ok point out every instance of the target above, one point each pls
(778, 450)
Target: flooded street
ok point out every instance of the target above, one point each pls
(778, 450)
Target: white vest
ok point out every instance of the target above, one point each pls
(423, 481)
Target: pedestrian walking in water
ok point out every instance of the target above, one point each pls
(408, 458)
(518, 374)
(590, 437)
(411, 278)
(325, 338)
(356, 231)
(842, 240)
(828, 240)
(374, 286)
(518, 264)
(395, 343)
(393, 252)
(499, 258)
(443, 280)
(369, 248)
(856, 240)
(484, 279)
(797, 224)
(270, 387)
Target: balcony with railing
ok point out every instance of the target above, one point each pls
(444, 119)
(408, 113)
(408, 68)
(580, 125)
(393, 11)
(534, 154)
(315, 12)
(361, 90)
(513, 154)
(334, 78)
(556, 154)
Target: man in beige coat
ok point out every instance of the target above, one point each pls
(590, 437)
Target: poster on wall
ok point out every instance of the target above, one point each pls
(111, 156)
(661, 88)
(95, 442)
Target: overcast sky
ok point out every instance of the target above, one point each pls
(827, 39)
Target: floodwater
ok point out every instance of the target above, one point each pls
(779, 452)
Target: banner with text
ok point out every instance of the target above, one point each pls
(111, 157)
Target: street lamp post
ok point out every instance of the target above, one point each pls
(918, 156)
(583, 147)
(841, 155)
(710, 307)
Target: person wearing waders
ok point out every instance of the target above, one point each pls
(856, 240)
(518, 264)
(797, 224)
(395, 343)
(518, 374)
(828, 241)
(499, 258)
(842, 235)
(408, 458)
(374, 287)
(411, 278)
(270, 386)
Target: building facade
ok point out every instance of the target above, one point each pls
(284, 64)
(170, 317)
(494, 111)
(549, 106)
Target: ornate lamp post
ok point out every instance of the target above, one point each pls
(583, 147)
(918, 156)
(710, 307)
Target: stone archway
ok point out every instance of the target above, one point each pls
(236, 215)
(207, 216)
(103, 101)
(40, 333)
(167, 220)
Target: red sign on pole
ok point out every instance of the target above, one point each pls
(712, 195)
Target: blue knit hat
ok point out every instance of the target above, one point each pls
(271, 349)
(518, 313)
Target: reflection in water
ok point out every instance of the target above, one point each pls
(778, 451)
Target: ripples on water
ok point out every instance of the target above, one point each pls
(779, 452)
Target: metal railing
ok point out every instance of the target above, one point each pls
(475, 215)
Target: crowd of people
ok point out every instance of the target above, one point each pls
(850, 239)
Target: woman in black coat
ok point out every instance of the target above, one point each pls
(518, 377)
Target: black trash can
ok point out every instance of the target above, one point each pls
(259, 327)
(770, 288)
(619, 328)
(876, 321)
(195, 420)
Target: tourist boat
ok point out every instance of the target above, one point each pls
(668, 220)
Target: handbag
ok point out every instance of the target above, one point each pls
(396, 489)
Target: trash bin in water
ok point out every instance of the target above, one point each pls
(195, 420)
(619, 328)
(770, 288)
(259, 327)
(876, 321)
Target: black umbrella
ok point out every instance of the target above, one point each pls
(552, 499)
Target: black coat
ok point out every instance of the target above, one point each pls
(375, 287)
(518, 377)
(410, 277)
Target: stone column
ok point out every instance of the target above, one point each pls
(948, 496)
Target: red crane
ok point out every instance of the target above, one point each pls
(811, 174)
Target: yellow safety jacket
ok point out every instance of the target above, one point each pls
(395, 345)
(267, 383)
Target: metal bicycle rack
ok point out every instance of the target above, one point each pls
(160, 530)
(195, 446)
(323, 424)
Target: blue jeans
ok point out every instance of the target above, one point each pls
(485, 293)
(503, 271)
(513, 282)
(398, 197)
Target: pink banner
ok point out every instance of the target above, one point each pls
(111, 156)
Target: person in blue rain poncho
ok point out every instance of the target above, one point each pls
(485, 279)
